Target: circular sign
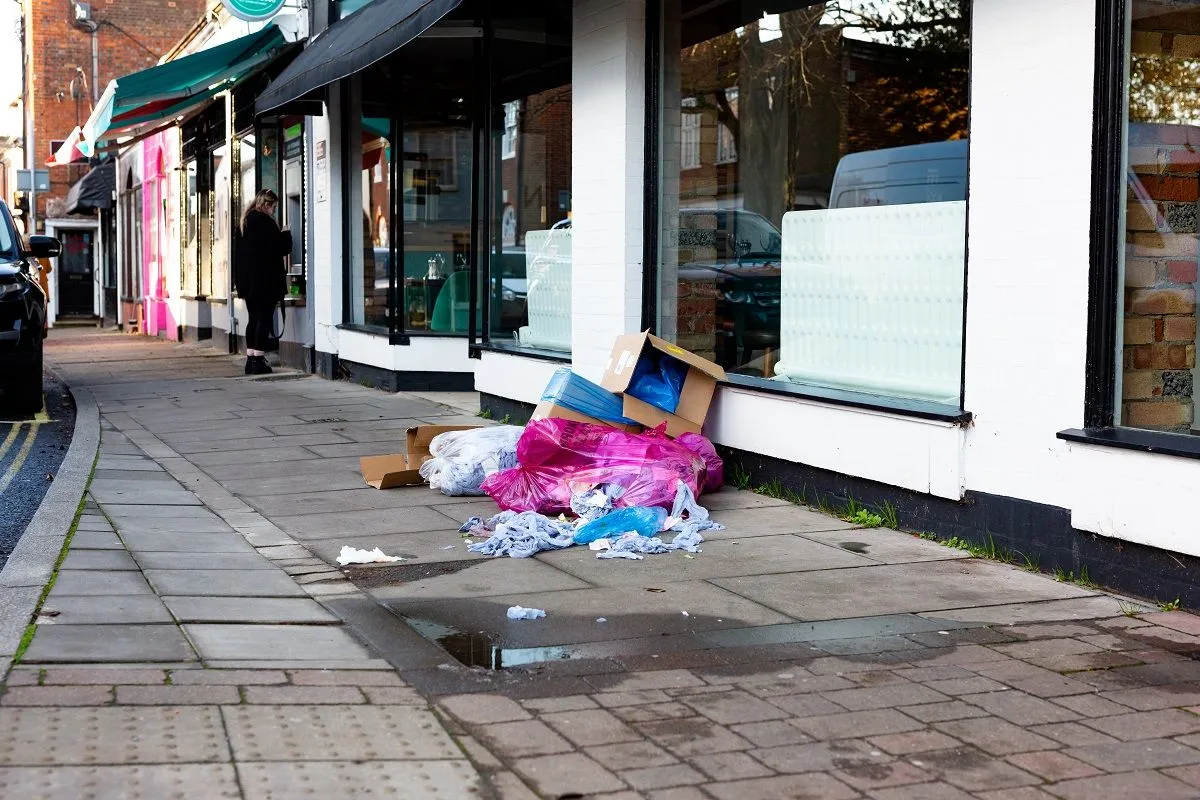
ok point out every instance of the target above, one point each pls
(253, 10)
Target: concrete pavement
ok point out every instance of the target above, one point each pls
(198, 634)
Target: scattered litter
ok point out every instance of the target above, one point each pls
(656, 590)
(688, 555)
(600, 544)
(450, 547)
(351, 555)
(524, 534)
(641, 521)
(943, 633)
(601, 619)
(785, 676)
(686, 614)
(462, 460)
(520, 612)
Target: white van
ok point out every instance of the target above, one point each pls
(920, 173)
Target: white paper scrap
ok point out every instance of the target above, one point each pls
(351, 555)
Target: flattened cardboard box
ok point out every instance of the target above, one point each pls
(694, 398)
(402, 469)
(548, 409)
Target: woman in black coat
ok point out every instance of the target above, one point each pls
(261, 275)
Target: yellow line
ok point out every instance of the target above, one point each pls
(15, 466)
(8, 440)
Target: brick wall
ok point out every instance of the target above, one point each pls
(1159, 351)
(132, 36)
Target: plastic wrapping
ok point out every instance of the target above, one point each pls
(658, 380)
(463, 459)
(642, 521)
(714, 476)
(577, 393)
(558, 458)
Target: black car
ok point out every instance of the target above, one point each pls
(22, 315)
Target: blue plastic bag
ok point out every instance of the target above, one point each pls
(658, 380)
(641, 520)
(579, 394)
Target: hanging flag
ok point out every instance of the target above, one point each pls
(69, 153)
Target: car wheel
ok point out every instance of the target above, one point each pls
(26, 396)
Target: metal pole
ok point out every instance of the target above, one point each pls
(95, 64)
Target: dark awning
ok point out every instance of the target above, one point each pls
(94, 190)
(352, 44)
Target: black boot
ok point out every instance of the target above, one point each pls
(263, 367)
(250, 365)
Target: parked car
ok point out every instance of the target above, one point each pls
(22, 315)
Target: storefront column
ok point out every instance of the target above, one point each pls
(325, 201)
(608, 135)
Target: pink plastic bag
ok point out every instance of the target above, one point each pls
(714, 477)
(558, 457)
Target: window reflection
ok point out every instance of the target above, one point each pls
(814, 186)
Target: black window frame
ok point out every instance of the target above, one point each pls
(1100, 403)
(651, 225)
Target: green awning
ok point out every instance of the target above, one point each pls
(137, 102)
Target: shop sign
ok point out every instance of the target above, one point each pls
(253, 10)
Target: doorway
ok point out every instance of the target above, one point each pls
(76, 268)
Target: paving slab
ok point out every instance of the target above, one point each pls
(773, 519)
(107, 610)
(1083, 608)
(240, 561)
(91, 736)
(141, 541)
(756, 555)
(274, 643)
(424, 546)
(96, 540)
(892, 589)
(344, 525)
(336, 733)
(886, 546)
(269, 780)
(128, 463)
(357, 499)
(248, 609)
(93, 582)
(77, 644)
(98, 559)
(224, 582)
(487, 576)
(148, 493)
(149, 781)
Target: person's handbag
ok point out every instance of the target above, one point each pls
(276, 333)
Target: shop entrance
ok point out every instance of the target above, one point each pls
(76, 268)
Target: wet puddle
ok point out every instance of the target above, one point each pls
(855, 547)
(484, 649)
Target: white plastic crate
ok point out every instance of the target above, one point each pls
(872, 299)
(548, 276)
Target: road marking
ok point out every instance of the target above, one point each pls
(8, 440)
(19, 460)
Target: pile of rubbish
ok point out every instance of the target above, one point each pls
(624, 459)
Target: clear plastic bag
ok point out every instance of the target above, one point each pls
(463, 459)
(558, 458)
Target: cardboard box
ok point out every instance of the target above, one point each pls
(698, 385)
(548, 409)
(387, 472)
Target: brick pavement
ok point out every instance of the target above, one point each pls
(166, 659)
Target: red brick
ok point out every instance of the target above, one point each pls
(1181, 271)
(1160, 414)
(1185, 160)
(1180, 329)
(1140, 330)
(1177, 189)
(1153, 302)
(1163, 356)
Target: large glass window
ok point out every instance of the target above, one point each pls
(371, 237)
(191, 230)
(1156, 346)
(530, 258)
(813, 199)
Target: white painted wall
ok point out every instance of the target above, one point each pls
(424, 354)
(608, 68)
(514, 377)
(325, 261)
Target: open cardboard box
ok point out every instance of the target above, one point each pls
(694, 398)
(401, 469)
(548, 409)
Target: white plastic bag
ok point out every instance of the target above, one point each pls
(463, 459)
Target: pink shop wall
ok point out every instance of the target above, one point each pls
(160, 248)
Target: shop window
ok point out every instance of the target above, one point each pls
(508, 141)
(370, 231)
(1156, 287)
(222, 232)
(530, 259)
(191, 231)
(812, 210)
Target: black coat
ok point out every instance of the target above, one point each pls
(260, 274)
